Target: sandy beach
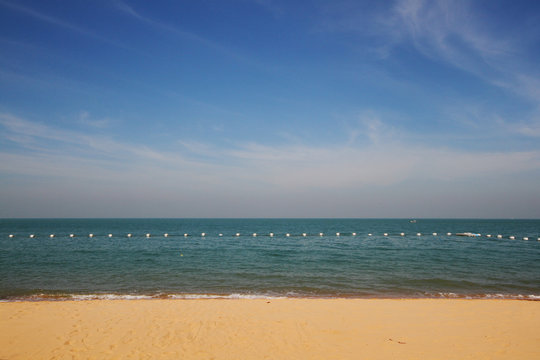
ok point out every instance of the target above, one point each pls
(271, 329)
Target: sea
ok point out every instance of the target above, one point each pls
(82, 259)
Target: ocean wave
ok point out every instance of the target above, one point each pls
(248, 296)
(450, 295)
(86, 297)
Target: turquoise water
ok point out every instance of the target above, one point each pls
(263, 266)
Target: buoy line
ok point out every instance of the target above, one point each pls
(272, 235)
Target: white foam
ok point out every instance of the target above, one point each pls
(109, 297)
(265, 296)
(450, 295)
(87, 297)
(218, 296)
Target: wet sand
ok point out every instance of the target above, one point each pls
(271, 329)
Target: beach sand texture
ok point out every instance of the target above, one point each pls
(271, 329)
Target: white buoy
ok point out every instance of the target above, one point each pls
(538, 239)
(185, 235)
(385, 234)
(287, 235)
(448, 234)
(271, 234)
(499, 236)
(110, 235)
(402, 234)
(128, 235)
(147, 235)
(353, 234)
(237, 234)
(321, 234)
(90, 235)
(51, 236)
(512, 237)
(71, 235)
(254, 234)
(304, 234)
(488, 235)
(220, 234)
(10, 235)
(203, 234)
(369, 234)
(434, 234)
(418, 234)
(165, 235)
(32, 236)
(525, 238)
(337, 234)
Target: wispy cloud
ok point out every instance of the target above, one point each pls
(46, 18)
(55, 156)
(270, 6)
(285, 165)
(58, 22)
(185, 35)
(454, 32)
(43, 139)
(448, 30)
(85, 119)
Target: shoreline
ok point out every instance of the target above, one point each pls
(255, 296)
(288, 328)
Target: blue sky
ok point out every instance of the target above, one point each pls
(262, 108)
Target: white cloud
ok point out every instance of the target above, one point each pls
(460, 34)
(182, 34)
(284, 166)
(58, 22)
(36, 136)
(453, 31)
(448, 30)
(206, 180)
(86, 119)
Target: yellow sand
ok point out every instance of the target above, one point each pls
(271, 329)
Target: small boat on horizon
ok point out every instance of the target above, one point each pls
(469, 234)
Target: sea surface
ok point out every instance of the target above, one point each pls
(369, 258)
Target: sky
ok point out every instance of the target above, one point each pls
(269, 108)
